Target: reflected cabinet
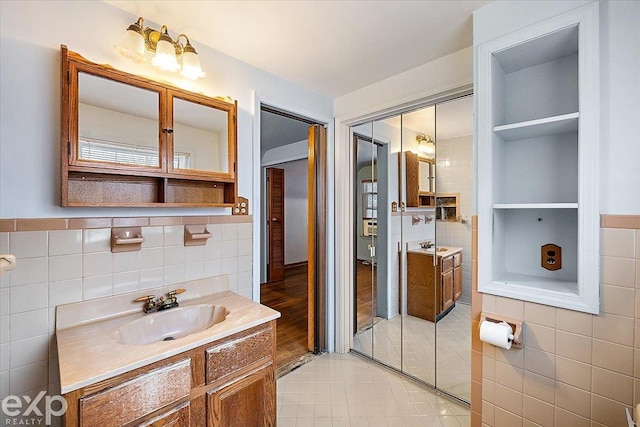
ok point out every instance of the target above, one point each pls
(131, 141)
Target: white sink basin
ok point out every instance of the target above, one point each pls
(437, 249)
(170, 324)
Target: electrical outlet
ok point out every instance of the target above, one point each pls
(551, 257)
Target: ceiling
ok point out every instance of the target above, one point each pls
(330, 47)
(277, 130)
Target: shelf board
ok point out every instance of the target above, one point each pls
(535, 206)
(537, 282)
(555, 125)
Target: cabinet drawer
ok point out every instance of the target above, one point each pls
(457, 259)
(447, 263)
(137, 397)
(238, 353)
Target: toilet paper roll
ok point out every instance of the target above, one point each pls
(498, 334)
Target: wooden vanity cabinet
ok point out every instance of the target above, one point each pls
(228, 382)
(433, 290)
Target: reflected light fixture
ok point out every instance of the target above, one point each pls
(168, 55)
(426, 144)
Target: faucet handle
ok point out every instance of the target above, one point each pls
(147, 298)
(175, 292)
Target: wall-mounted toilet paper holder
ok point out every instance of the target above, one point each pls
(516, 326)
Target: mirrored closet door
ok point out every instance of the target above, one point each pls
(412, 243)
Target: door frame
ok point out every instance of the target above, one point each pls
(295, 109)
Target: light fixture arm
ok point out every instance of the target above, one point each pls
(186, 47)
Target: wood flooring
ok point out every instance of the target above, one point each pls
(365, 294)
(289, 297)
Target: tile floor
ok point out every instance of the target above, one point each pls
(418, 357)
(347, 390)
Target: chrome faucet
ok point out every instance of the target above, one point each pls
(151, 304)
(171, 301)
(426, 245)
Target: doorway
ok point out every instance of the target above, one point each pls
(292, 197)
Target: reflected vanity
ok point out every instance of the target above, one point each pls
(131, 141)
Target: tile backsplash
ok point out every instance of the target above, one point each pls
(63, 266)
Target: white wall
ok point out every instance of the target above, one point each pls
(619, 87)
(30, 87)
(296, 178)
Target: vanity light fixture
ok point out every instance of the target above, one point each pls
(168, 55)
(426, 144)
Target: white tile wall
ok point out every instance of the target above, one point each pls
(60, 267)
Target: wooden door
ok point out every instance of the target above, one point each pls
(317, 287)
(275, 219)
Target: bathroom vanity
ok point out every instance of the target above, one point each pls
(222, 375)
(433, 288)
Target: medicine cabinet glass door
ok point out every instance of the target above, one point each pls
(412, 243)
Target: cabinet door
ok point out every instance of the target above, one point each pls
(116, 122)
(202, 137)
(421, 289)
(412, 179)
(176, 417)
(457, 283)
(249, 401)
(447, 290)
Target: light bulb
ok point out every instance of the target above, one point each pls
(132, 45)
(165, 57)
(191, 68)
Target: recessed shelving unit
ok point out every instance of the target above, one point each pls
(537, 144)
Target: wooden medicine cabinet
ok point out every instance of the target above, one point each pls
(129, 141)
(420, 180)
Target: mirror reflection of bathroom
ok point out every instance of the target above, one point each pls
(454, 142)
(412, 292)
(366, 203)
(418, 243)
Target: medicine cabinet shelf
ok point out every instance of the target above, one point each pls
(537, 122)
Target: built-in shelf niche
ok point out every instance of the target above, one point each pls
(447, 206)
(537, 144)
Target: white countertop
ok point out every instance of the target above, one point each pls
(88, 353)
(450, 251)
